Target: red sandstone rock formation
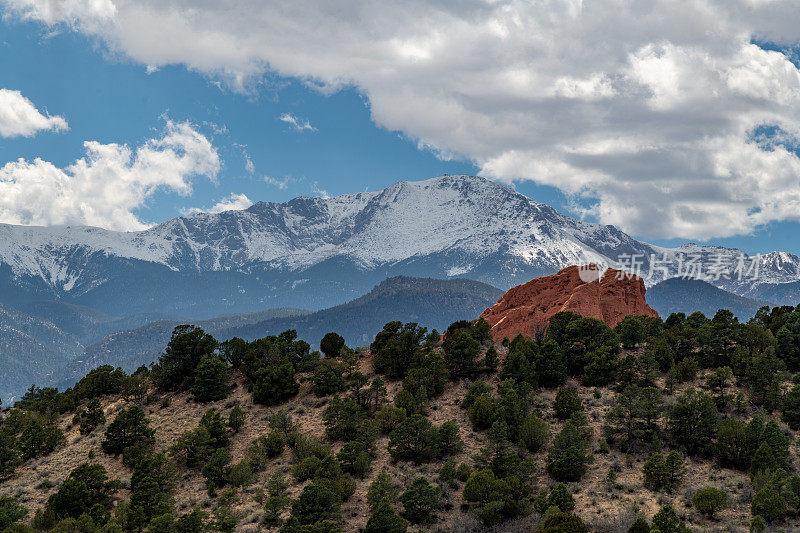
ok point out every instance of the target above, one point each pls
(527, 308)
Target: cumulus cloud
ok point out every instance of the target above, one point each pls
(644, 111)
(234, 202)
(299, 124)
(108, 184)
(20, 118)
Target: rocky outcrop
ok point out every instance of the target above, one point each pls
(527, 308)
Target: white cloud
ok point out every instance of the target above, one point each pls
(299, 124)
(104, 187)
(235, 202)
(317, 191)
(282, 183)
(644, 109)
(20, 118)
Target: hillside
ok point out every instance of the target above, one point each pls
(432, 303)
(142, 345)
(680, 295)
(31, 350)
(595, 445)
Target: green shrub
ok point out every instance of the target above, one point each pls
(450, 442)
(631, 331)
(394, 348)
(92, 417)
(86, 490)
(567, 457)
(484, 487)
(662, 473)
(11, 511)
(768, 504)
(217, 469)
(151, 485)
(475, 390)
(277, 500)
(316, 504)
(483, 412)
(463, 472)
(737, 441)
(709, 500)
(384, 519)
(561, 498)
(791, 408)
(176, 367)
(382, 489)
(447, 474)
(640, 525)
(519, 367)
(420, 501)
(693, 422)
(666, 520)
(343, 418)
(274, 384)
(490, 359)
(389, 417)
(241, 474)
(128, 429)
(236, 417)
(328, 377)
(461, 351)
(283, 423)
(211, 380)
(763, 460)
(687, 369)
(534, 434)
(567, 402)
(195, 447)
(416, 439)
(757, 525)
(561, 522)
(600, 366)
(331, 344)
(354, 458)
(38, 440)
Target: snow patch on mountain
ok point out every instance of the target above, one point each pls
(464, 217)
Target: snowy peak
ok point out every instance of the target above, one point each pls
(441, 227)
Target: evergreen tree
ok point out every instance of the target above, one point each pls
(274, 384)
(129, 428)
(176, 367)
(384, 519)
(236, 417)
(331, 344)
(693, 422)
(420, 501)
(567, 457)
(567, 402)
(211, 379)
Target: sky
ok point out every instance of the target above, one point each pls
(675, 120)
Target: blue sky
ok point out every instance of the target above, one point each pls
(110, 97)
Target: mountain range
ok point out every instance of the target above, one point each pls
(677, 295)
(314, 253)
(72, 296)
(432, 303)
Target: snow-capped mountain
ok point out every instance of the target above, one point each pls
(317, 252)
